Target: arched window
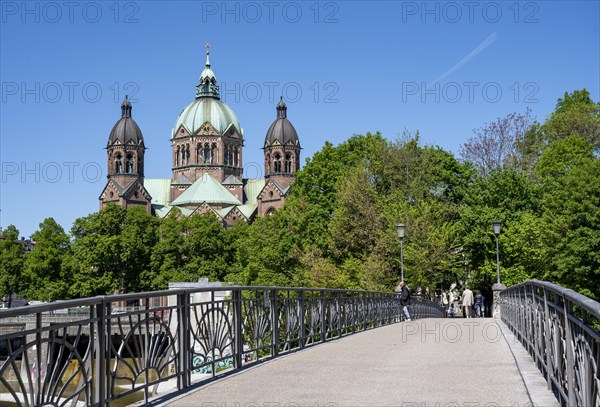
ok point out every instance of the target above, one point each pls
(119, 163)
(288, 163)
(270, 211)
(187, 154)
(207, 154)
(182, 155)
(268, 164)
(129, 164)
(177, 157)
(277, 163)
(227, 156)
(214, 153)
(236, 157)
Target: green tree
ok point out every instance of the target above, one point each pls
(571, 212)
(169, 257)
(111, 250)
(505, 195)
(45, 275)
(575, 114)
(209, 254)
(11, 262)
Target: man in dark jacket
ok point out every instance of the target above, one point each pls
(405, 299)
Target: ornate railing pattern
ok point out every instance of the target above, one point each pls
(96, 351)
(560, 329)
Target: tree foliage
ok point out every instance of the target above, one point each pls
(11, 261)
(46, 274)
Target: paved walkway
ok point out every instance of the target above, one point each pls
(432, 362)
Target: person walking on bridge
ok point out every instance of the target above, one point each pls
(405, 299)
(478, 307)
(467, 302)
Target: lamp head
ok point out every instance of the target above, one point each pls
(497, 226)
(400, 229)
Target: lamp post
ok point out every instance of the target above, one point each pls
(497, 226)
(498, 287)
(400, 228)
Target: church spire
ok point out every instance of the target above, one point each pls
(207, 87)
(207, 46)
(126, 108)
(281, 109)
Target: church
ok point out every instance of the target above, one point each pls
(207, 165)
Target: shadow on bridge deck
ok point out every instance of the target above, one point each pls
(429, 362)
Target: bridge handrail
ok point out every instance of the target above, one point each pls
(560, 328)
(99, 349)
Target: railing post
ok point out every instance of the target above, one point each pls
(323, 317)
(496, 301)
(353, 308)
(183, 304)
(238, 334)
(572, 399)
(100, 389)
(339, 308)
(547, 341)
(146, 348)
(274, 323)
(301, 319)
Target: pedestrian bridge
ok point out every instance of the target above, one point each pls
(259, 346)
(428, 362)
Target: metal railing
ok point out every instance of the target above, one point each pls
(102, 351)
(560, 329)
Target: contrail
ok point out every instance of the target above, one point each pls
(486, 43)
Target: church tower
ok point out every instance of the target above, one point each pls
(282, 160)
(207, 139)
(125, 166)
(282, 149)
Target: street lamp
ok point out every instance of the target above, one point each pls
(400, 230)
(497, 226)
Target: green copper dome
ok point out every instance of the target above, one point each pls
(203, 110)
(207, 107)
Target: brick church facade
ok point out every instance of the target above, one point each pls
(207, 166)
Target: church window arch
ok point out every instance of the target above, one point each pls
(236, 157)
(177, 156)
(288, 163)
(129, 164)
(119, 164)
(277, 163)
(214, 152)
(268, 163)
(207, 154)
(270, 211)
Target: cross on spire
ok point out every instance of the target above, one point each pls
(207, 46)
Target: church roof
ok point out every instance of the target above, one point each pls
(252, 188)
(159, 189)
(248, 209)
(182, 180)
(126, 129)
(203, 110)
(206, 189)
(161, 210)
(232, 180)
(281, 129)
(207, 107)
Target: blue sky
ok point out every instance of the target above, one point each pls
(344, 68)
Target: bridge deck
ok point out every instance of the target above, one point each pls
(443, 362)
